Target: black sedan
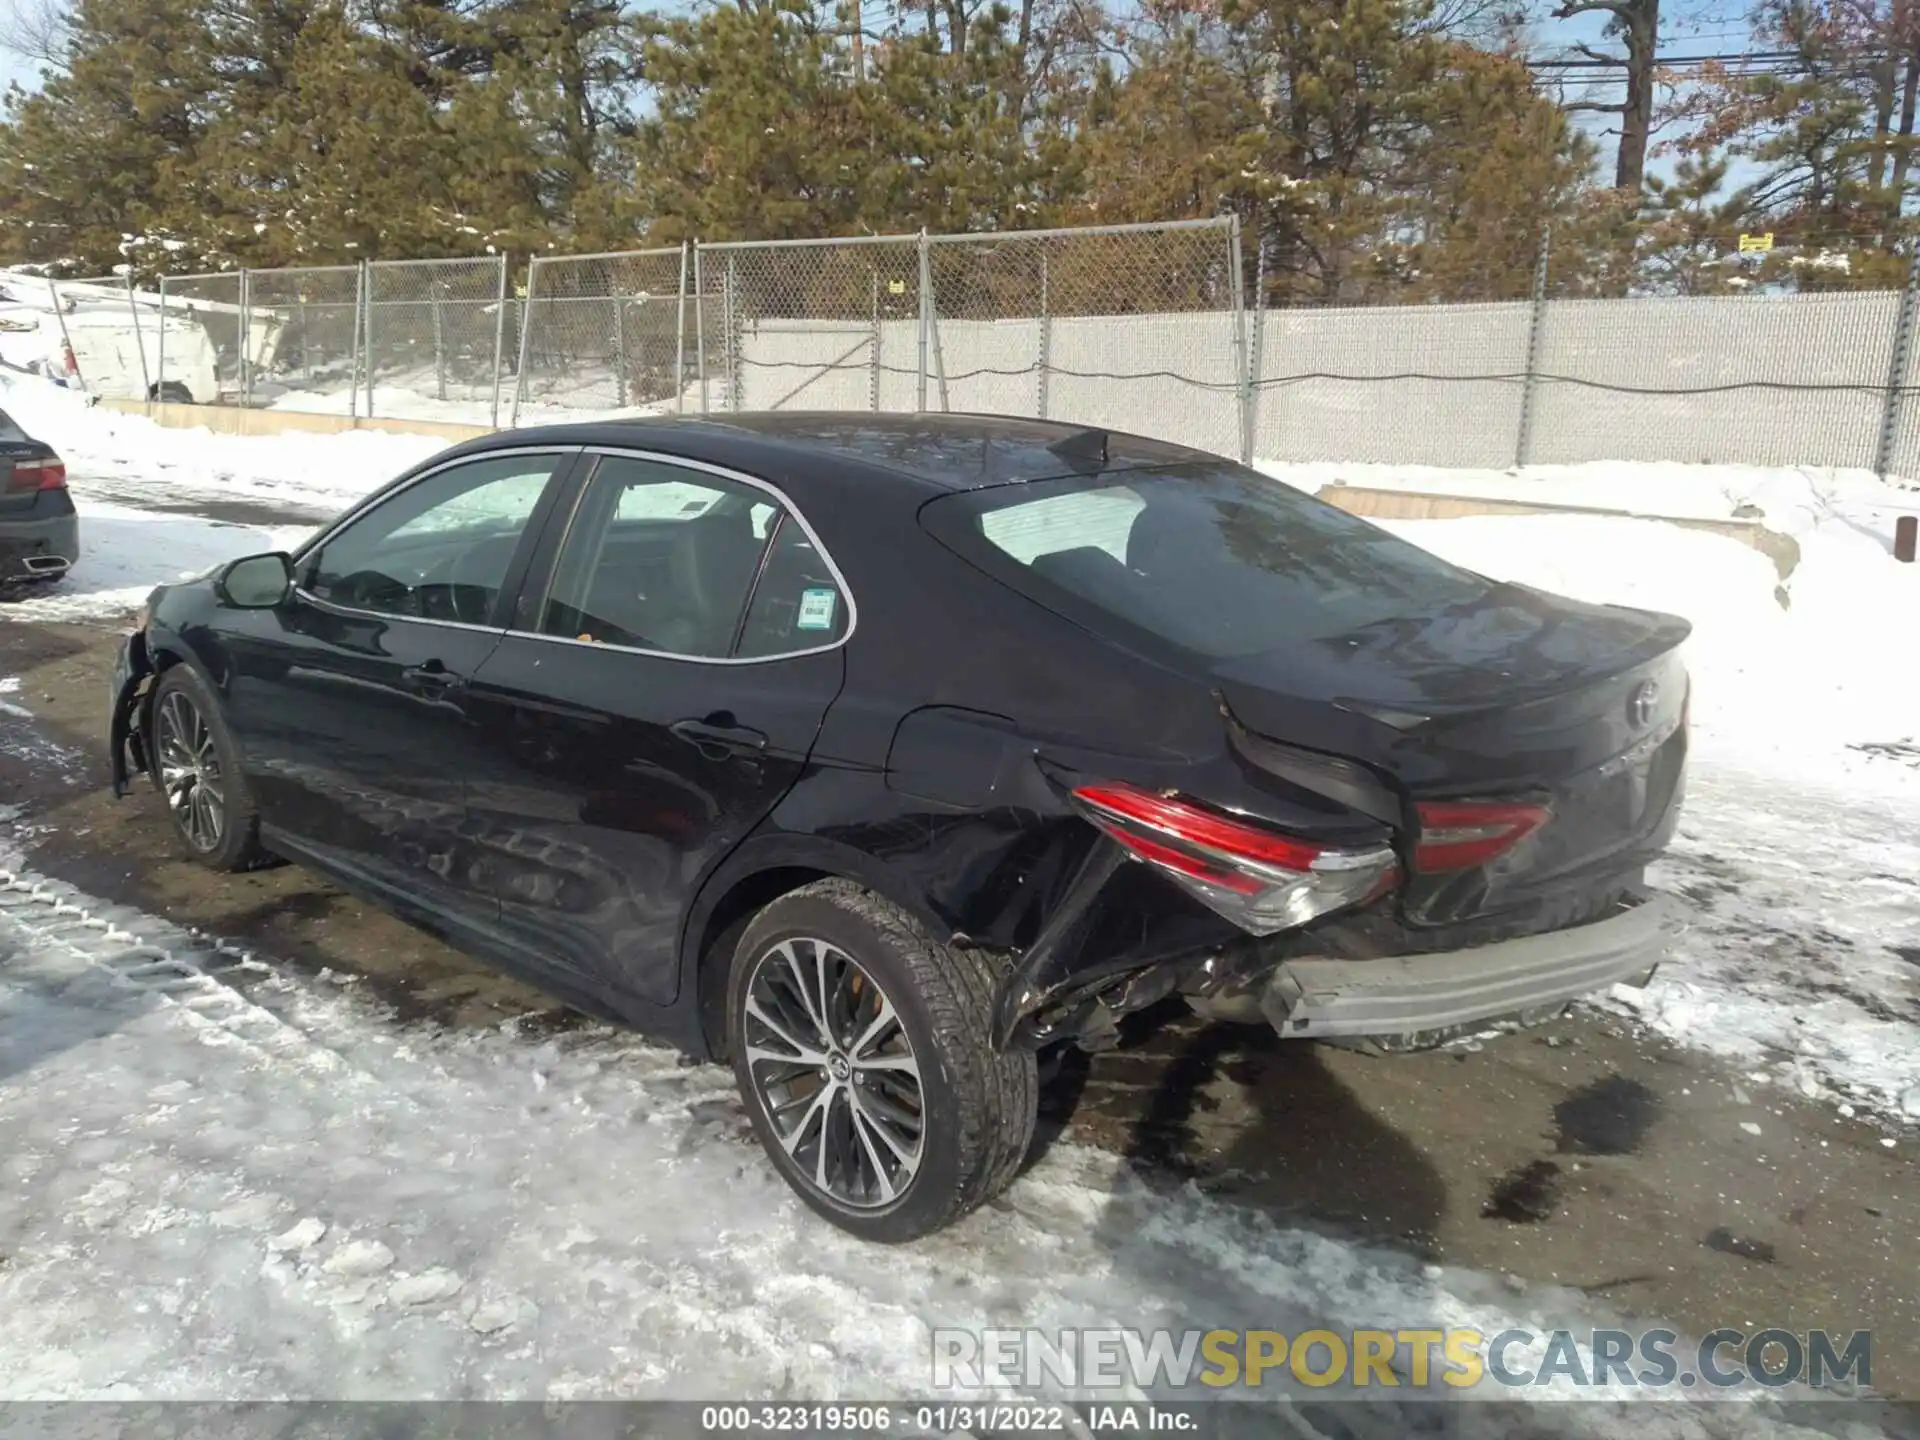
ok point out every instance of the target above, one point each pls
(39, 535)
(877, 754)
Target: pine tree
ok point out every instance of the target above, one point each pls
(1367, 155)
(82, 160)
(326, 151)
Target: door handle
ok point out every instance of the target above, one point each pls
(717, 734)
(431, 678)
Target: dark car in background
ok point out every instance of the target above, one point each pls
(877, 754)
(39, 533)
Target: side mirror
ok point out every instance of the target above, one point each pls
(255, 582)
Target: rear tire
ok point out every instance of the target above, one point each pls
(196, 768)
(896, 1116)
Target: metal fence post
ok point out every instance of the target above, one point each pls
(1046, 330)
(1243, 361)
(1257, 359)
(246, 338)
(1897, 371)
(700, 323)
(359, 339)
(1523, 442)
(621, 370)
(66, 340)
(139, 339)
(932, 300)
(159, 391)
(680, 340)
(526, 336)
(926, 292)
(366, 331)
(439, 340)
(499, 340)
(873, 341)
(729, 341)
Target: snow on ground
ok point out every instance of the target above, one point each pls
(219, 1180)
(318, 473)
(125, 552)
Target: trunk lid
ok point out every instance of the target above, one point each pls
(1519, 697)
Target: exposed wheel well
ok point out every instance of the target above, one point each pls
(159, 662)
(730, 916)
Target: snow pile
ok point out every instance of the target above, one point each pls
(223, 1182)
(125, 552)
(318, 473)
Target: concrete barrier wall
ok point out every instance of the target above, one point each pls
(1783, 550)
(232, 420)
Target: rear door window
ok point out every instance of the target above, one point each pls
(1214, 560)
(684, 562)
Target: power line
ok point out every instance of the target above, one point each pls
(1665, 61)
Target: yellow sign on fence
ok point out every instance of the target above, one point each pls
(1752, 243)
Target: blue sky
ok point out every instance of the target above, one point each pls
(12, 68)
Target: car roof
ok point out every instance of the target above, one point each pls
(943, 450)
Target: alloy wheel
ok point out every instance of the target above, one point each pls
(190, 774)
(833, 1069)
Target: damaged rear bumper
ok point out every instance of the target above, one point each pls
(1311, 998)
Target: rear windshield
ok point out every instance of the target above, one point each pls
(9, 430)
(1217, 560)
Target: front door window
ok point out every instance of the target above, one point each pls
(440, 549)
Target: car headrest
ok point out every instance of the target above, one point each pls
(1166, 537)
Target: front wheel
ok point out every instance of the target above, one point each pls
(196, 766)
(861, 1047)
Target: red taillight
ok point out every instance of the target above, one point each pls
(38, 475)
(1205, 827)
(1261, 880)
(1459, 834)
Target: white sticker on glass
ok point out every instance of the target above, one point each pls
(816, 609)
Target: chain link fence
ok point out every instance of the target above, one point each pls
(603, 334)
(81, 314)
(433, 336)
(198, 355)
(1592, 367)
(1751, 357)
(1795, 356)
(314, 316)
(810, 325)
(1099, 326)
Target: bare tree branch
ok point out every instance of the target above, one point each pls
(37, 30)
(1586, 7)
